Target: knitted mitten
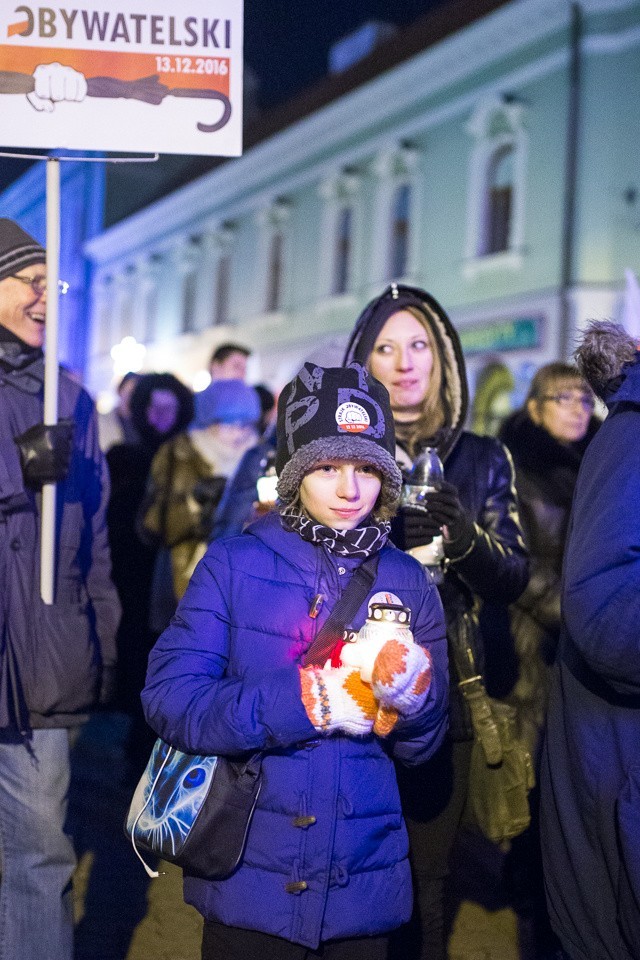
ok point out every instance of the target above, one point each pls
(401, 676)
(362, 657)
(338, 700)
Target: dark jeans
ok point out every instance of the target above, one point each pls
(220, 942)
(434, 796)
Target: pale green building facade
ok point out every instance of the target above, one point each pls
(498, 168)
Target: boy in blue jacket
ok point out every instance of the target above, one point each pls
(326, 861)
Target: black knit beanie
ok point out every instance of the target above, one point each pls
(340, 413)
(17, 249)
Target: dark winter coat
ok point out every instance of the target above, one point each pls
(53, 659)
(546, 475)
(495, 569)
(591, 759)
(134, 556)
(224, 678)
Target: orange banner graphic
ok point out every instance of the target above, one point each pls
(193, 72)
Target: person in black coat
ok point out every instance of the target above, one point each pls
(408, 343)
(590, 779)
(57, 659)
(547, 439)
(161, 406)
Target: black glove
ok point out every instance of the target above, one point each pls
(45, 453)
(413, 527)
(207, 493)
(446, 510)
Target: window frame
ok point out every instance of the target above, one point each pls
(495, 126)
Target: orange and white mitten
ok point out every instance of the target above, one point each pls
(336, 699)
(401, 676)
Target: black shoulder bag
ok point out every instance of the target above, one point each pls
(194, 810)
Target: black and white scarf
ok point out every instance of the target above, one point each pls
(359, 542)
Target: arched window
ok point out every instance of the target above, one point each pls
(342, 257)
(499, 200)
(400, 227)
(495, 222)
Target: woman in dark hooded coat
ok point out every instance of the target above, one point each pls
(407, 341)
(161, 406)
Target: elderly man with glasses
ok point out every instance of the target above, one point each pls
(56, 661)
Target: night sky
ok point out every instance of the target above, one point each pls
(287, 43)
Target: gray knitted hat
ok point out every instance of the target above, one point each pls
(338, 413)
(17, 249)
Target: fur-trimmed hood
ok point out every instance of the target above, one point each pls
(141, 398)
(455, 393)
(554, 465)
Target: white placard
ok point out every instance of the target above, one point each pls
(182, 59)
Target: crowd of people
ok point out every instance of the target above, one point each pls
(201, 546)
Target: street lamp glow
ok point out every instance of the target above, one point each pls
(200, 381)
(128, 355)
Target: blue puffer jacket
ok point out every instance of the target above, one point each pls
(224, 678)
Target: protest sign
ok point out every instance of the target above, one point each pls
(118, 75)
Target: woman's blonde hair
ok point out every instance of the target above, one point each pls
(432, 417)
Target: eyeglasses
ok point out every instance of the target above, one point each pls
(567, 400)
(39, 284)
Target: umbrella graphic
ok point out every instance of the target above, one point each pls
(147, 89)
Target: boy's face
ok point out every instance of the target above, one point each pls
(340, 493)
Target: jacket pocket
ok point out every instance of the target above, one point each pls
(61, 670)
(628, 822)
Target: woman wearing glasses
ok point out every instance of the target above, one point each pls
(547, 439)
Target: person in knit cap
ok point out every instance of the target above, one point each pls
(188, 475)
(408, 342)
(56, 661)
(590, 780)
(325, 869)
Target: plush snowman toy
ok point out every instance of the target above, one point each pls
(397, 669)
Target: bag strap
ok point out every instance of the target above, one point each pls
(471, 685)
(343, 613)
